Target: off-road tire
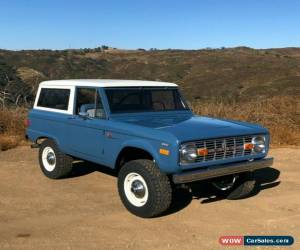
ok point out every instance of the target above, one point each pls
(158, 184)
(244, 187)
(63, 165)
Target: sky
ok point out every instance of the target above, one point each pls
(162, 24)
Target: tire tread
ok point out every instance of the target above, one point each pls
(63, 162)
(161, 186)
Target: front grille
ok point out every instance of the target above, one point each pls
(224, 148)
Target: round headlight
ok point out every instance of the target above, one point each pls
(259, 145)
(188, 153)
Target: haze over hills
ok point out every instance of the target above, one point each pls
(228, 73)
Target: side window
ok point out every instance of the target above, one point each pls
(54, 98)
(88, 101)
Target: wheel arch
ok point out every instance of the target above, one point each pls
(132, 152)
(42, 138)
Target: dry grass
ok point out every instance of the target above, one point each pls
(279, 114)
(12, 127)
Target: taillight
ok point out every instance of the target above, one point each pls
(27, 122)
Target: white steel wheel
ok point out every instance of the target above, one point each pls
(143, 189)
(49, 159)
(136, 189)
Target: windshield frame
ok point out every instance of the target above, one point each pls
(180, 96)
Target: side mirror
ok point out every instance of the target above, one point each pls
(83, 115)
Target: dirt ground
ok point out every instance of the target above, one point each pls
(84, 211)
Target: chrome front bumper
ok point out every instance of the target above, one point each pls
(221, 170)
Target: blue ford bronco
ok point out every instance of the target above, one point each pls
(147, 133)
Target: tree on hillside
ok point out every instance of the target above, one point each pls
(98, 49)
(12, 90)
(104, 47)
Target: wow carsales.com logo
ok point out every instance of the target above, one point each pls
(256, 240)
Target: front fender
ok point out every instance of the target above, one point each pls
(142, 144)
(167, 164)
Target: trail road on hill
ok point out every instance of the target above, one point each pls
(85, 212)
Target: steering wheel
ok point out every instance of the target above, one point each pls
(160, 103)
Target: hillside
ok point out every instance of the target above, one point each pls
(261, 86)
(238, 73)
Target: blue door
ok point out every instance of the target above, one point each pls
(86, 126)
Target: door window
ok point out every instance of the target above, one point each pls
(89, 101)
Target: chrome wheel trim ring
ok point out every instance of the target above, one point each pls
(225, 187)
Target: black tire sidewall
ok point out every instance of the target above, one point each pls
(60, 167)
(243, 187)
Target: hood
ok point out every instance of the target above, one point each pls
(187, 127)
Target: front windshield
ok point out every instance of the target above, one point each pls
(144, 99)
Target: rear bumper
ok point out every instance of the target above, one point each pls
(221, 170)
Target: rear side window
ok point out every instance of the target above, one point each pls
(54, 98)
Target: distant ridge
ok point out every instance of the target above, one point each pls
(227, 73)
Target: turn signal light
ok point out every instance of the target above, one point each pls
(164, 151)
(202, 151)
(248, 146)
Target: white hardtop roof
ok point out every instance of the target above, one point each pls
(106, 83)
